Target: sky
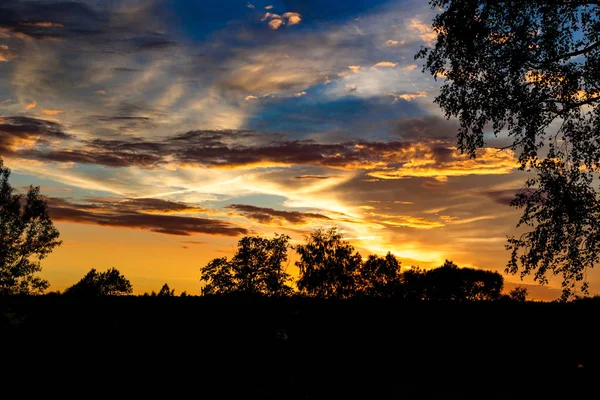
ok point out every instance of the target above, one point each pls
(162, 132)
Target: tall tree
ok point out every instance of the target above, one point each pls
(27, 235)
(108, 283)
(329, 266)
(256, 268)
(531, 69)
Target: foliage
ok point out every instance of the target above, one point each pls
(531, 69)
(165, 291)
(380, 276)
(28, 236)
(256, 268)
(108, 283)
(518, 294)
(329, 266)
(449, 282)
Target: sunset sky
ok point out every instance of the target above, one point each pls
(164, 131)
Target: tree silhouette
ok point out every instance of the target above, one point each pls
(256, 268)
(27, 235)
(108, 283)
(449, 282)
(518, 294)
(329, 266)
(165, 291)
(380, 276)
(531, 68)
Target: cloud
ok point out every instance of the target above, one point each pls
(293, 18)
(452, 164)
(250, 5)
(276, 20)
(44, 24)
(5, 53)
(230, 149)
(423, 30)
(354, 68)
(52, 112)
(268, 7)
(266, 215)
(407, 96)
(25, 133)
(147, 214)
(300, 94)
(312, 177)
(394, 42)
(30, 105)
(250, 97)
(384, 64)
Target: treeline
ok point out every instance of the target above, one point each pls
(329, 268)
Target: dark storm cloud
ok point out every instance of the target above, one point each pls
(267, 215)
(134, 213)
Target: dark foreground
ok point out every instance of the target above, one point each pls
(161, 348)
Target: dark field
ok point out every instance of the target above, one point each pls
(195, 347)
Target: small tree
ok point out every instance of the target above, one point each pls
(256, 268)
(108, 283)
(329, 266)
(27, 235)
(518, 294)
(165, 291)
(380, 276)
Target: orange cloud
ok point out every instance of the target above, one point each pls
(407, 96)
(250, 97)
(5, 53)
(394, 42)
(354, 68)
(424, 30)
(293, 18)
(31, 105)
(384, 64)
(44, 24)
(52, 112)
(423, 164)
(300, 94)
(275, 23)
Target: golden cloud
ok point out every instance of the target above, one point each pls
(52, 112)
(424, 30)
(275, 23)
(250, 97)
(384, 64)
(293, 18)
(300, 94)
(31, 105)
(394, 42)
(354, 68)
(44, 24)
(423, 164)
(5, 53)
(407, 96)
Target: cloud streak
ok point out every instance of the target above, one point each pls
(147, 214)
